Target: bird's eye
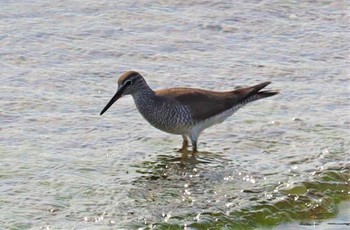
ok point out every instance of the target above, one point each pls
(127, 83)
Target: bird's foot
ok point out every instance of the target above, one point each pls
(186, 159)
(184, 156)
(182, 150)
(186, 153)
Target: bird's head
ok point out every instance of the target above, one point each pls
(128, 83)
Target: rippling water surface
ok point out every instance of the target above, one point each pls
(281, 161)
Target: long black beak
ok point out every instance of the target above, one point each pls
(114, 99)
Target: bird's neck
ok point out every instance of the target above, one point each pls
(144, 95)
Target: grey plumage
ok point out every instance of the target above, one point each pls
(185, 111)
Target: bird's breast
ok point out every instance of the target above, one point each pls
(167, 116)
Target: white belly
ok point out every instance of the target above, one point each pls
(198, 128)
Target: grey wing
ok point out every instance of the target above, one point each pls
(204, 104)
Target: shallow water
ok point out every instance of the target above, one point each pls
(282, 160)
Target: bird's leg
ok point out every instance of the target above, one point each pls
(184, 144)
(194, 147)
